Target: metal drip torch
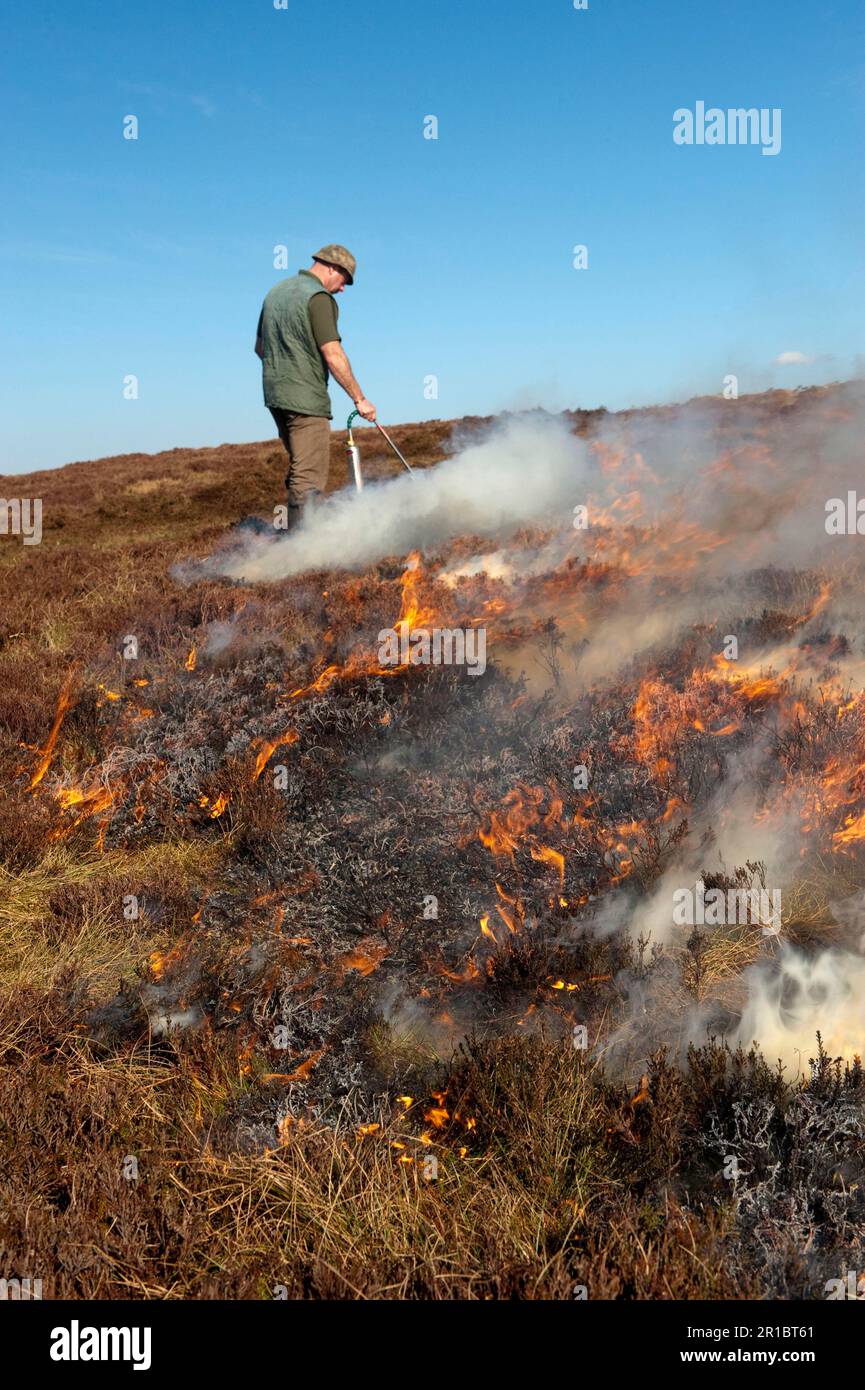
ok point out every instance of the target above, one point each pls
(354, 451)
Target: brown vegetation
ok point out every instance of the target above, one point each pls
(425, 1128)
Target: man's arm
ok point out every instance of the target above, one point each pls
(340, 367)
(259, 341)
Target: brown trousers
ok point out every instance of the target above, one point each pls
(307, 443)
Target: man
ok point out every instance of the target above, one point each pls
(299, 345)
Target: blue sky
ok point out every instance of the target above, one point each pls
(260, 127)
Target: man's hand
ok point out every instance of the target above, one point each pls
(365, 408)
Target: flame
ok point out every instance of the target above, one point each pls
(412, 612)
(161, 961)
(243, 1063)
(642, 1095)
(818, 605)
(64, 700)
(831, 802)
(302, 1072)
(364, 958)
(461, 977)
(191, 660)
(487, 930)
(86, 803)
(550, 856)
(503, 831)
(327, 677)
(266, 748)
(513, 915)
(852, 830)
(437, 1116)
(306, 880)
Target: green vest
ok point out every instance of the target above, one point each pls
(294, 371)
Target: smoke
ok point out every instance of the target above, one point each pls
(794, 997)
(525, 471)
(698, 490)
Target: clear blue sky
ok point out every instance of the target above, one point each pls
(261, 126)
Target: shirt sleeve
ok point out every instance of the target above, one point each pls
(322, 316)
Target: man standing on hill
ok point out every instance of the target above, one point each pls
(299, 344)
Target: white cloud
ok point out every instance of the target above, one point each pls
(794, 359)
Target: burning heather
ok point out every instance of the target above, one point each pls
(577, 930)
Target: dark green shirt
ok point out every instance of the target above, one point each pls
(323, 312)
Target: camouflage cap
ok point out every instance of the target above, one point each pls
(337, 255)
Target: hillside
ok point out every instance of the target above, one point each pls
(323, 973)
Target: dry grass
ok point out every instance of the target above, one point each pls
(548, 1207)
(67, 914)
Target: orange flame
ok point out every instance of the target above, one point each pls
(412, 612)
(64, 700)
(487, 930)
(160, 961)
(544, 854)
(87, 803)
(266, 748)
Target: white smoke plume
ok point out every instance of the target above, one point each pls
(723, 496)
(793, 998)
(524, 472)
